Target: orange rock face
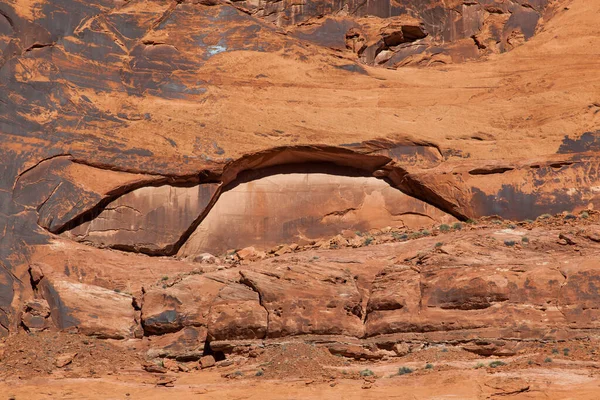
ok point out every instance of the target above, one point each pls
(211, 178)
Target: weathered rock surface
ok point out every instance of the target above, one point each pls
(106, 105)
(280, 208)
(187, 303)
(90, 310)
(151, 218)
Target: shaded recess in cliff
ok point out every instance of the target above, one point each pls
(134, 221)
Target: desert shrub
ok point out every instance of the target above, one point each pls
(479, 365)
(509, 243)
(569, 216)
(260, 372)
(366, 372)
(470, 221)
(425, 232)
(554, 351)
(544, 216)
(428, 366)
(584, 215)
(444, 228)
(498, 363)
(368, 241)
(566, 351)
(165, 278)
(439, 244)
(525, 239)
(548, 360)
(457, 226)
(404, 370)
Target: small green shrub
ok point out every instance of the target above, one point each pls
(569, 216)
(584, 215)
(368, 241)
(366, 372)
(554, 351)
(444, 350)
(471, 222)
(497, 222)
(544, 216)
(414, 235)
(548, 360)
(529, 221)
(425, 232)
(566, 351)
(509, 243)
(511, 226)
(457, 226)
(479, 365)
(444, 228)
(428, 366)
(164, 278)
(404, 370)
(439, 244)
(358, 233)
(525, 239)
(498, 363)
(260, 372)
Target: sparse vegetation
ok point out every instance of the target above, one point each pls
(548, 360)
(511, 226)
(479, 365)
(439, 244)
(584, 215)
(425, 232)
(164, 278)
(525, 239)
(414, 235)
(569, 216)
(405, 370)
(529, 221)
(509, 243)
(471, 221)
(544, 216)
(368, 241)
(457, 226)
(260, 372)
(444, 228)
(367, 372)
(566, 351)
(496, 364)
(554, 351)
(428, 366)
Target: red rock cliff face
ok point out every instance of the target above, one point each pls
(124, 125)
